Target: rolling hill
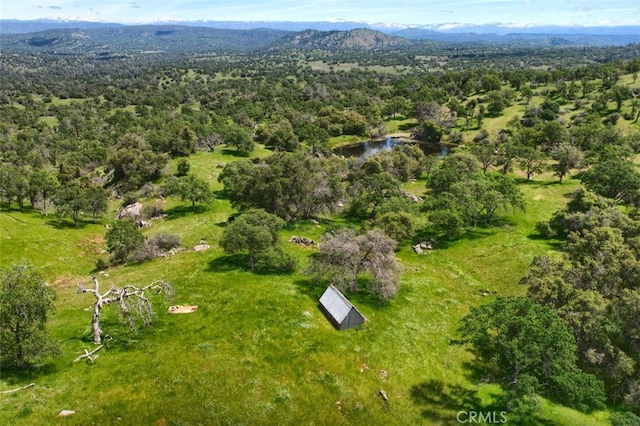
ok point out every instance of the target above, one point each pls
(185, 40)
(360, 38)
(448, 32)
(141, 39)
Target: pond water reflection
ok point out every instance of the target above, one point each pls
(366, 149)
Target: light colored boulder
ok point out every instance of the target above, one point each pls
(202, 246)
(132, 211)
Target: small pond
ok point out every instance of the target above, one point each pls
(366, 149)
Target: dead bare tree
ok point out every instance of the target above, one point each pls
(131, 301)
(209, 142)
(344, 258)
(440, 115)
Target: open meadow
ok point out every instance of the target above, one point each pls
(258, 350)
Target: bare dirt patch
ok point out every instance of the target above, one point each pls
(182, 309)
(66, 281)
(93, 245)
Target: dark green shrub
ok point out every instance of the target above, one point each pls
(101, 264)
(274, 259)
(164, 241)
(544, 228)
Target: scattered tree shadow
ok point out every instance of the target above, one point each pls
(64, 223)
(407, 126)
(305, 223)
(477, 372)
(500, 221)
(274, 273)
(579, 175)
(443, 402)
(534, 236)
(5, 208)
(221, 194)
(30, 212)
(232, 152)
(14, 376)
(552, 243)
(397, 117)
(428, 234)
(313, 290)
(183, 211)
(240, 262)
(524, 181)
(229, 262)
(332, 225)
(230, 219)
(120, 338)
(483, 230)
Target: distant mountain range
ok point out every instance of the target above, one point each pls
(359, 38)
(105, 42)
(302, 33)
(16, 26)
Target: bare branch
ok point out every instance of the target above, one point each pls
(344, 256)
(94, 290)
(89, 355)
(132, 302)
(17, 389)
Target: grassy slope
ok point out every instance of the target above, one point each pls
(258, 351)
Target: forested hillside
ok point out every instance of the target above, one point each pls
(141, 39)
(492, 246)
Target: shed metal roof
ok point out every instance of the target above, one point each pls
(335, 303)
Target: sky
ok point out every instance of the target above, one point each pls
(408, 12)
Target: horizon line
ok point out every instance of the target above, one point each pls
(450, 25)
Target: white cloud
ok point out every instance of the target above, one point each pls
(406, 12)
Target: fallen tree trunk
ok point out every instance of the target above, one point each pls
(18, 389)
(88, 355)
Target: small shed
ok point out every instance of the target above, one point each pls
(339, 310)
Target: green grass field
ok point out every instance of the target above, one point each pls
(258, 350)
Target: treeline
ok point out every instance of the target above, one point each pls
(117, 126)
(595, 289)
(574, 337)
(73, 135)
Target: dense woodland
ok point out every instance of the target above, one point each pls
(84, 134)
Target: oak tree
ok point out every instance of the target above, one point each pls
(567, 157)
(256, 231)
(520, 339)
(344, 258)
(189, 188)
(26, 302)
(122, 239)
